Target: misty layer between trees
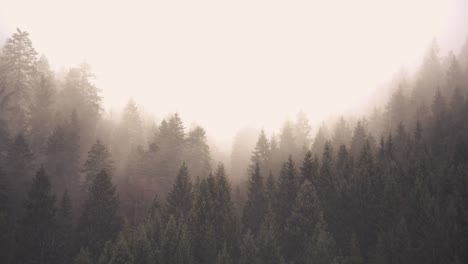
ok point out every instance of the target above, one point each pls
(77, 186)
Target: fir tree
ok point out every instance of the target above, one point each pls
(38, 225)
(256, 205)
(121, 253)
(99, 221)
(286, 192)
(305, 214)
(83, 257)
(99, 159)
(18, 62)
(179, 199)
(248, 250)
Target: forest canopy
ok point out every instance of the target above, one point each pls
(77, 186)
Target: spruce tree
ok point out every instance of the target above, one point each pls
(38, 226)
(18, 61)
(121, 253)
(305, 214)
(286, 192)
(179, 199)
(256, 205)
(83, 257)
(248, 250)
(99, 159)
(198, 155)
(99, 220)
(19, 167)
(267, 241)
(65, 229)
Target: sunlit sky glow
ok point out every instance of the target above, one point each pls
(226, 64)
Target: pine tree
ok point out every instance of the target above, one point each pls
(121, 253)
(359, 138)
(80, 95)
(305, 214)
(322, 249)
(179, 199)
(320, 140)
(309, 169)
(83, 257)
(38, 225)
(41, 114)
(65, 229)
(142, 251)
(17, 73)
(286, 192)
(261, 153)
(19, 168)
(287, 146)
(55, 159)
(223, 257)
(268, 248)
(106, 254)
(225, 225)
(249, 251)
(99, 159)
(198, 153)
(341, 134)
(270, 191)
(256, 205)
(302, 132)
(99, 221)
(170, 242)
(154, 225)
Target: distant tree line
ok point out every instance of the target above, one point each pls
(79, 187)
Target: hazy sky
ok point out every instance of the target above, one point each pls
(225, 64)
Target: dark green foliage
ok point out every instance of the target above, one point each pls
(179, 199)
(65, 229)
(256, 205)
(19, 168)
(223, 257)
(248, 250)
(99, 159)
(121, 253)
(267, 241)
(83, 257)
(37, 227)
(99, 221)
(286, 192)
(299, 226)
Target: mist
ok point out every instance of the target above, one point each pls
(224, 133)
(202, 59)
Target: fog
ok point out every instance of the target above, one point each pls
(245, 132)
(228, 65)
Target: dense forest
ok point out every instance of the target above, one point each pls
(79, 186)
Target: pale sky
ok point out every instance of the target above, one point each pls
(225, 64)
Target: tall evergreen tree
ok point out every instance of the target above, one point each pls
(37, 227)
(286, 192)
(64, 235)
(198, 153)
(19, 167)
(99, 159)
(261, 153)
(17, 73)
(179, 199)
(99, 221)
(248, 250)
(255, 208)
(305, 214)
